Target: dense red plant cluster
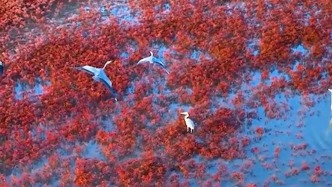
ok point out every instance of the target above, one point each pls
(42, 41)
(148, 171)
(18, 13)
(92, 173)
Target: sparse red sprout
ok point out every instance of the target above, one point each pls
(305, 166)
(277, 152)
(259, 131)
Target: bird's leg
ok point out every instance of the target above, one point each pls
(187, 129)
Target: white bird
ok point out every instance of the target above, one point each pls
(189, 123)
(1, 68)
(331, 99)
(99, 75)
(153, 60)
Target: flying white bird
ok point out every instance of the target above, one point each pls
(153, 60)
(1, 68)
(189, 123)
(99, 75)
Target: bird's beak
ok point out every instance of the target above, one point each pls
(183, 113)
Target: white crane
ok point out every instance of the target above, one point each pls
(189, 123)
(1, 68)
(99, 75)
(153, 60)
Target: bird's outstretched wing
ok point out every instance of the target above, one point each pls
(107, 83)
(109, 86)
(103, 77)
(89, 69)
(160, 63)
(146, 59)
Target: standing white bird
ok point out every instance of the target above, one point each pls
(1, 68)
(99, 75)
(153, 60)
(331, 99)
(189, 123)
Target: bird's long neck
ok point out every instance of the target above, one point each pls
(105, 66)
(108, 62)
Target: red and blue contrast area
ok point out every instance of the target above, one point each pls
(253, 76)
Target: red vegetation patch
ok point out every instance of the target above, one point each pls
(145, 171)
(92, 172)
